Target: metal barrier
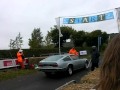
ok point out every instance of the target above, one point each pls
(8, 63)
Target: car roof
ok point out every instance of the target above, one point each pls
(66, 54)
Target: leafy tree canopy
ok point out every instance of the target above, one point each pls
(17, 43)
(66, 32)
(36, 39)
(79, 38)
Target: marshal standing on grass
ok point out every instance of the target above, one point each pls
(20, 58)
(94, 58)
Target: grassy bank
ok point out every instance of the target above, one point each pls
(6, 74)
(13, 73)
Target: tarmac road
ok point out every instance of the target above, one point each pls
(39, 81)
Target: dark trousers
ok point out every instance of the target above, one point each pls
(94, 65)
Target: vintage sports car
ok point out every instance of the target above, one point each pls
(65, 62)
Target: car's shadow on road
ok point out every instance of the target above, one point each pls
(62, 75)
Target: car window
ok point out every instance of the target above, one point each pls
(74, 57)
(67, 58)
(53, 58)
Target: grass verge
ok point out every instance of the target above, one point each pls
(9, 74)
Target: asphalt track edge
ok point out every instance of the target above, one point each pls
(68, 83)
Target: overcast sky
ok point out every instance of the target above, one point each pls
(25, 15)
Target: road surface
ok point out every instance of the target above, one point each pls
(39, 81)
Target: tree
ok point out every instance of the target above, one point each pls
(17, 43)
(12, 44)
(48, 40)
(92, 38)
(79, 37)
(36, 39)
(66, 32)
(104, 37)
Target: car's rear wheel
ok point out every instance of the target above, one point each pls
(69, 70)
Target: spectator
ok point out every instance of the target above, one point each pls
(20, 58)
(94, 58)
(110, 68)
(73, 51)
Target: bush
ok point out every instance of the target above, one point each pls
(35, 60)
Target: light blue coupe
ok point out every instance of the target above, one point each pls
(58, 63)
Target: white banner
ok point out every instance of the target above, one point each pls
(105, 21)
(89, 19)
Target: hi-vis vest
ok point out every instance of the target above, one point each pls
(19, 57)
(73, 51)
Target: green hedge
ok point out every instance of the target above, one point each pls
(35, 60)
(36, 52)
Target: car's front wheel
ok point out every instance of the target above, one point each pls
(69, 70)
(86, 66)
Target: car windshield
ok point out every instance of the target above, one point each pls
(74, 57)
(53, 58)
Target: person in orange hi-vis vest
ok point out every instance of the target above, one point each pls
(73, 51)
(20, 58)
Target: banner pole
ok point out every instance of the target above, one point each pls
(98, 43)
(59, 45)
(118, 18)
(60, 35)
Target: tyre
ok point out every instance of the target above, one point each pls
(69, 70)
(86, 66)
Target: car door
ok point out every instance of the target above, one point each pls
(66, 61)
(81, 62)
(75, 61)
